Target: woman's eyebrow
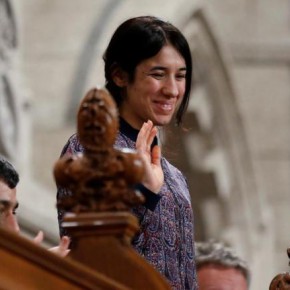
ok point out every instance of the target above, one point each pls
(157, 68)
(164, 68)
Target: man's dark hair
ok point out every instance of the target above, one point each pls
(8, 173)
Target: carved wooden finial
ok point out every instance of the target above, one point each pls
(281, 281)
(102, 181)
(102, 178)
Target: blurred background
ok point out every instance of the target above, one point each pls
(235, 152)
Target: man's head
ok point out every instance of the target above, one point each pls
(8, 203)
(219, 268)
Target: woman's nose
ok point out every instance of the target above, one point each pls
(170, 88)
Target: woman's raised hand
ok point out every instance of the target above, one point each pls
(153, 177)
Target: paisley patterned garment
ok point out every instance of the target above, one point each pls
(166, 230)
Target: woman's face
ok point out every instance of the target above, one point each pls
(157, 89)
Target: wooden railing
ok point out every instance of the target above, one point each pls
(281, 281)
(25, 265)
(108, 237)
(102, 181)
(98, 217)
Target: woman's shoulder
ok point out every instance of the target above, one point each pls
(175, 178)
(122, 141)
(173, 169)
(72, 146)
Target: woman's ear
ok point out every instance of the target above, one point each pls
(119, 77)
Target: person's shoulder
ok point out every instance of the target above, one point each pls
(72, 145)
(173, 169)
(122, 141)
(176, 177)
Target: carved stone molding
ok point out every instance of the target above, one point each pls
(213, 152)
(8, 107)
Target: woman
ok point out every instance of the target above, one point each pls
(148, 72)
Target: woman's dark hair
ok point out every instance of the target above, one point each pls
(138, 39)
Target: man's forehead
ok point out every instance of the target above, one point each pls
(219, 277)
(6, 193)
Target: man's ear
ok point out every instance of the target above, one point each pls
(119, 77)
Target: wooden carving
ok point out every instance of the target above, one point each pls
(281, 281)
(102, 178)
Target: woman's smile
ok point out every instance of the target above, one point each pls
(157, 89)
(164, 106)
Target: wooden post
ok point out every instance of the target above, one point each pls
(281, 281)
(102, 182)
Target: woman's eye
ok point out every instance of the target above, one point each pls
(157, 75)
(181, 77)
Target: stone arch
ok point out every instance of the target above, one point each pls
(87, 55)
(9, 131)
(213, 151)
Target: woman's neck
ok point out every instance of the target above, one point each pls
(133, 123)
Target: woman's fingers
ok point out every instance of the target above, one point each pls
(142, 137)
(156, 155)
(151, 137)
(145, 137)
(153, 177)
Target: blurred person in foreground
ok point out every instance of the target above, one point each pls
(9, 179)
(220, 268)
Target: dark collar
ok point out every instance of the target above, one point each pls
(132, 133)
(128, 130)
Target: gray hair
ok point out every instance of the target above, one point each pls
(213, 252)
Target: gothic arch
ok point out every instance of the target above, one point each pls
(213, 151)
(9, 131)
